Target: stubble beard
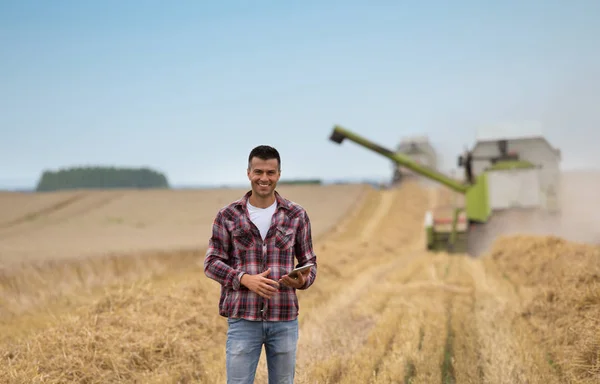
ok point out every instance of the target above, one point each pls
(262, 192)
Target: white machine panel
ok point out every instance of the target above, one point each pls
(514, 188)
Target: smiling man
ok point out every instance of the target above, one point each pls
(251, 251)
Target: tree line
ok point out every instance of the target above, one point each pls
(101, 178)
(300, 181)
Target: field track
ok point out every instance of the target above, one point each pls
(382, 310)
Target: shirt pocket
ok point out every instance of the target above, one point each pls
(285, 238)
(243, 239)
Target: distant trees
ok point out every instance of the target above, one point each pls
(300, 182)
(101, 178)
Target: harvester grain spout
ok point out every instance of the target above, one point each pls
(339, 134)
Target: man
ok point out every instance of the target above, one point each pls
(251, 251)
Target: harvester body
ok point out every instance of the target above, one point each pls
(447, 228)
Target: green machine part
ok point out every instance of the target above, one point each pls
(448, 235)
(339, 134)
(477, 208)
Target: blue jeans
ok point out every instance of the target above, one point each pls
(244, 346)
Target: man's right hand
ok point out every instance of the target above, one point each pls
(260, 284)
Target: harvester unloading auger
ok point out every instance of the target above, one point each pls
(448, 232)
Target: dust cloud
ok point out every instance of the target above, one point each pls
(578, 219)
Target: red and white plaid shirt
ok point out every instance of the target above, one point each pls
(236, 247)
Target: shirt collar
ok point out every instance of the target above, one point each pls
(281, 202)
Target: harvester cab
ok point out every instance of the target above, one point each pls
(449, 230)
(506, 157)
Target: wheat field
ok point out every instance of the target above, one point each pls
(107, 287)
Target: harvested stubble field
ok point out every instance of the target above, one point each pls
(381, 311)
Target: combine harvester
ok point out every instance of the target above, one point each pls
(496, 180)
(418, 149)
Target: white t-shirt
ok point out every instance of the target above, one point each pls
(261, 217)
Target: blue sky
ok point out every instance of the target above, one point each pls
(189, 88)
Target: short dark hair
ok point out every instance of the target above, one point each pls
(264, 152)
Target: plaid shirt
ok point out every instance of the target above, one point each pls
(236, 247)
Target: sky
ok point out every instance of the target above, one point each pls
(190, 87)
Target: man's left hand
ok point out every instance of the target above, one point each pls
(295, 282)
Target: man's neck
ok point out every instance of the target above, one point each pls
(260, 202)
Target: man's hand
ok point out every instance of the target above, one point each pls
(295, 282)
(260, 284)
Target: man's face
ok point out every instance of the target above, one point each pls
(263, 176)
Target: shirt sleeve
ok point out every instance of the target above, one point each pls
(304, 249)
(216, 261)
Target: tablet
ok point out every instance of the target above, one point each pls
(303, 268)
